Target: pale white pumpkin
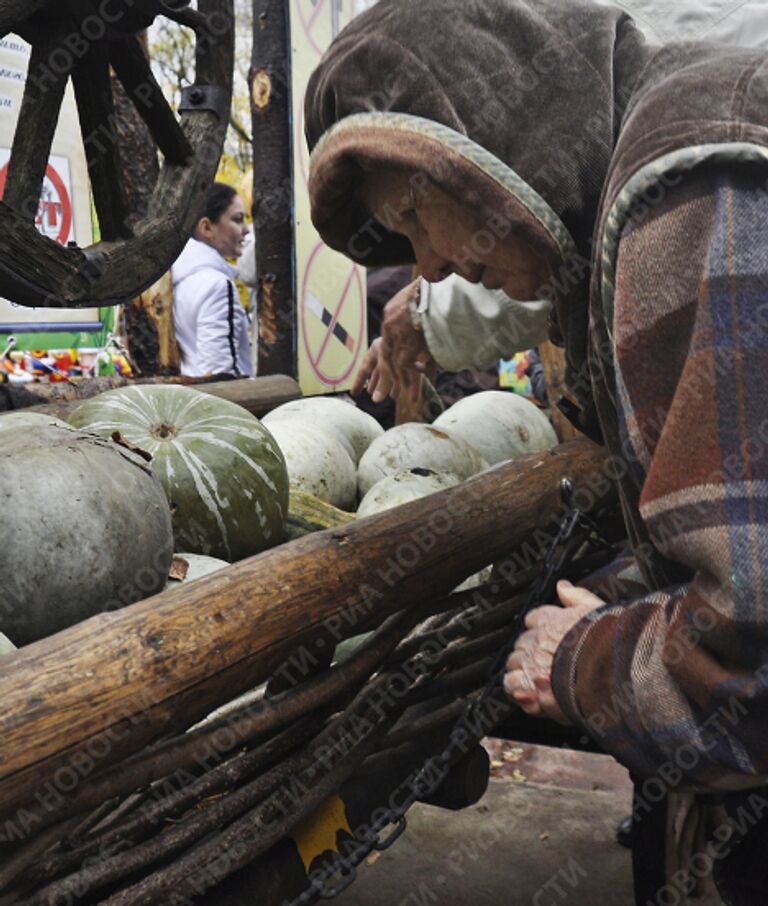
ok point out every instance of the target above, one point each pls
(403, 487)
(355, 429)
(86, 527)
(317, 462)
(500, 425)
(417, 446)
(222, 471)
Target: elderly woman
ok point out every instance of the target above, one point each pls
(543, 148)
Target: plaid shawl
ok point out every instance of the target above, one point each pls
(676, 684)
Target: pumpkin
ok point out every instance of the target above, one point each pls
(86, 527)
(403, 487)
(223, 473)
(317, 462)
(12, 421)
(355, 429)
(501, 425)
(6, 645)
(417, 446)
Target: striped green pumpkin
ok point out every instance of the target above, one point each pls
(222, 471)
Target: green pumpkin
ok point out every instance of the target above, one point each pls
(86, 528)
(223, 473)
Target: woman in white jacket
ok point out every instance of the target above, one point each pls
(211, 324)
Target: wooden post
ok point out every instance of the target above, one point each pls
(270, 86)
(150, 332)
(553, 360)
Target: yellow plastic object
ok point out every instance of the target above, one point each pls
(317, 833)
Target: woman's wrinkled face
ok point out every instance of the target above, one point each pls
(449, 237)
(228, 233)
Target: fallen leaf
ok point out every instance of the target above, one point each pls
(179, 569)
(543, 836)
(373, 858)
(519, 777)
(512, 755)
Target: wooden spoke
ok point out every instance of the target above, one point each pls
(132, 68)
(215, 59)
(38, 117)
(191, 18)
(14, 12)
(95, 105)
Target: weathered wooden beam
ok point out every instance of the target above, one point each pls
(92, 694)
(257, 395)
(270, 88)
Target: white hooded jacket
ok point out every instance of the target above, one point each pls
(211, 324)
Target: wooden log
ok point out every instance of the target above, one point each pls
(257, 395)
(87, 697)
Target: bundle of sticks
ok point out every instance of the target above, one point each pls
(124, 781)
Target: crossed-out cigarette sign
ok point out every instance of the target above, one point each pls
(332, 334)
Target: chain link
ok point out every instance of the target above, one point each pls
(576, 529)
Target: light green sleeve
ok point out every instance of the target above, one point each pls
(468, 326)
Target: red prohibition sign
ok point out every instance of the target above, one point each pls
(316, 359)
(301, 143)
(61, 190)
(308, 24)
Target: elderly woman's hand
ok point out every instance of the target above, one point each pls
(528, 680)
(395, 361)
(376, 374)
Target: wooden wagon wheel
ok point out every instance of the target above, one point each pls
(84, 40)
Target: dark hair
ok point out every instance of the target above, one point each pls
(217, 200)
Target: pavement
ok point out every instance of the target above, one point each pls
(543, 835)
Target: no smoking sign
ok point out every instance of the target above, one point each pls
(54, 211)
(332, 314)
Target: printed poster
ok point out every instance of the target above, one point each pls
(331, 332)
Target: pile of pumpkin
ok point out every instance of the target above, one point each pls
(97, 509)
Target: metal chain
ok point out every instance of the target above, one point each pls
(576, 530)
